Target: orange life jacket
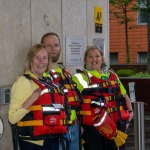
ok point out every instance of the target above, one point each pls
(103, 93)
(47, 116)
(65, 79)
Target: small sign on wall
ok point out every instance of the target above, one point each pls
(98, 19)
(74, 51)
(132, 91)
(5, 95)
(99, 42)
(1, 127)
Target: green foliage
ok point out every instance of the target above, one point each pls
(125, 72)
(128, 57)
(141, 75)
(131, 73)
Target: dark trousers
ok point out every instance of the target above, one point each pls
(95, 141)
(49, 144)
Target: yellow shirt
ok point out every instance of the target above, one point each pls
(20, 92)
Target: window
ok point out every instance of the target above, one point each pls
(142, 17)
(142, 57)
(113, 58)
(142, 14)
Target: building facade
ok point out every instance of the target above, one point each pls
(137, 39)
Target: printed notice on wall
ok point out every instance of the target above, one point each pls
(74, 51)
(99, 42)
(132, 91)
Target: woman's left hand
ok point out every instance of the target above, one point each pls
(130, 118)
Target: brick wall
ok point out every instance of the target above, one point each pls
(137, 38)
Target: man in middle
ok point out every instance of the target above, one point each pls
(60, 75)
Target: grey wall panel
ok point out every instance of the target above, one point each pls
(45, 17)
(74, 24)
(15, 38)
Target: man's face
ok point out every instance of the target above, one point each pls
(52, 44)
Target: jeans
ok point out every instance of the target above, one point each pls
(49, 144)
(74, 135)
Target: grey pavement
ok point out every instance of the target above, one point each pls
(130, 132)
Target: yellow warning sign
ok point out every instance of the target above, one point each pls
(98, 15)
(98, 19)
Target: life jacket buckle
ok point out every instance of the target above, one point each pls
(64, 90)
(110, 90)
(113, 109)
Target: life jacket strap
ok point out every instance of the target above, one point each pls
(49, 90)
(86, 91)
(30, 123)
(108, 98)
(85, 112)
(71, 99)
(35, 107)
(70, 86)
(40, 123)
(114, 109)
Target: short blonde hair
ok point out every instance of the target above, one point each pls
(89, 48)
(32, 53)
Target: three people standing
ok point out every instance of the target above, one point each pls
(100, 92)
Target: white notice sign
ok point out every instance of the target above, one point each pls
(74, 51)
(132, 91)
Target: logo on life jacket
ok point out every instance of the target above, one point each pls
(53, 120)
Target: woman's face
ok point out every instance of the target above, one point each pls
(39, 63)
(94, 59)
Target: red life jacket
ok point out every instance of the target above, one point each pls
(65, 79)
(47, 116)
(101, 93)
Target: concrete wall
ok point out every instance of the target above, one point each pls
(24, 22)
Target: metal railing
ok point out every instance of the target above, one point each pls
(139, 133)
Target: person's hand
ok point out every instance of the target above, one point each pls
(35, 95)
(130, 118)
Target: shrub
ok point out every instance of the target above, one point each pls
(131, 73)
(141, 74)
(125, 72)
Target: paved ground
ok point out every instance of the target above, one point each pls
(130, 140)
